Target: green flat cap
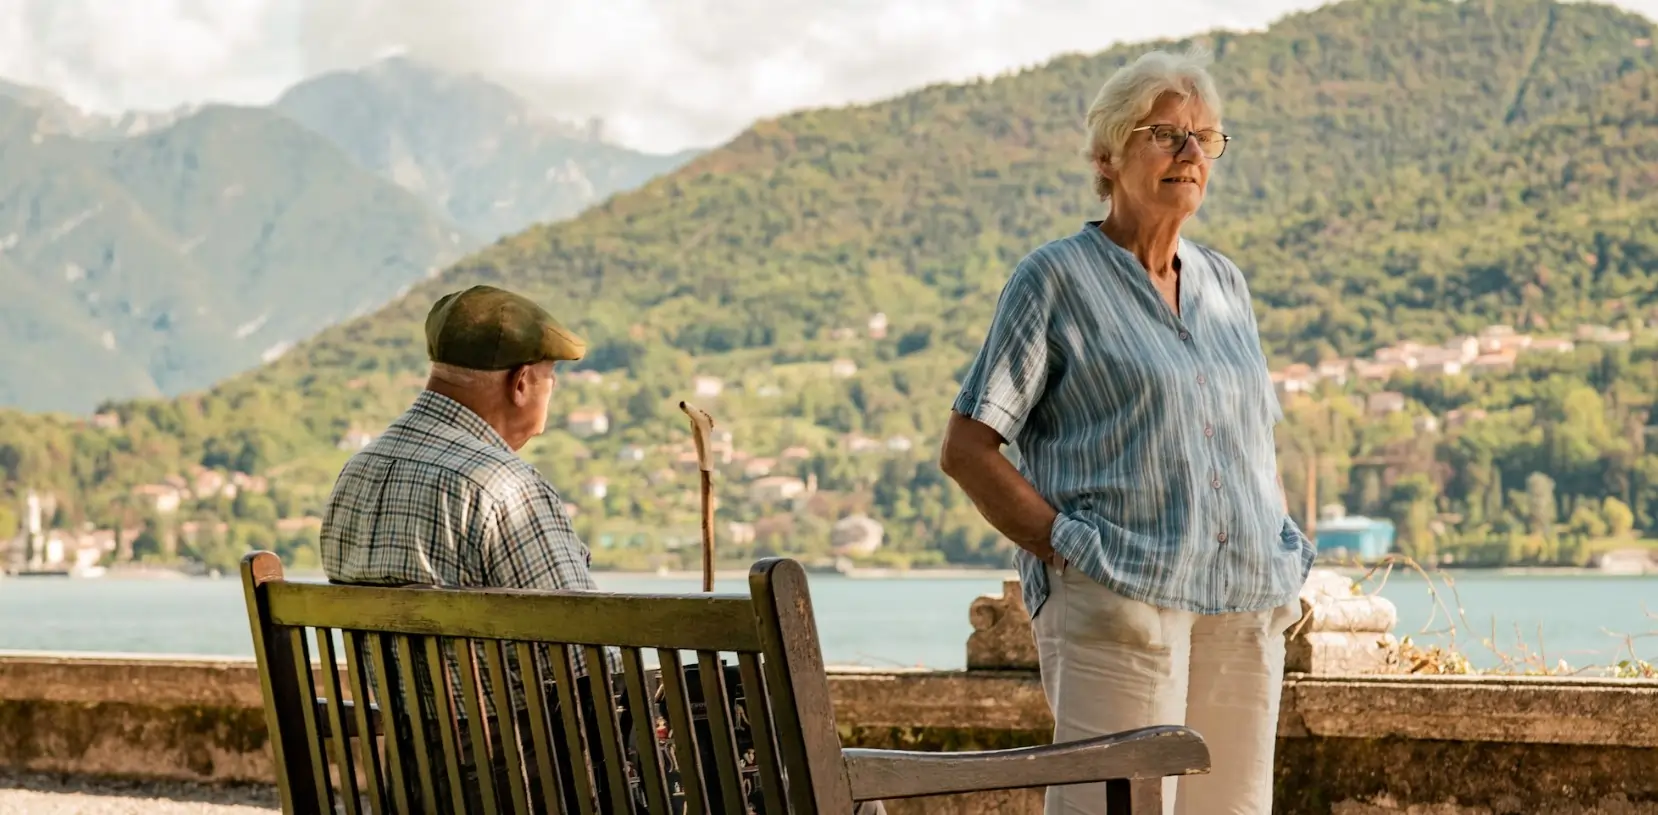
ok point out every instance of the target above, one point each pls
(489, 329)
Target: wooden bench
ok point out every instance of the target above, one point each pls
(795, 761)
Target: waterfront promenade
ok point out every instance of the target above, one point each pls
(1357, 735)
(59, 794)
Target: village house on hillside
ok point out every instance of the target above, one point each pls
(596, 487)
(587, 423)
(776, 488)
(162, 498)
(855, 536)
(355, 439)
(1494, 348)
(739, 532)
(877, 325)
(707, 387)
(1381, 404)
(759, 467)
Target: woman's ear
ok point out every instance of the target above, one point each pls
(1102, 165)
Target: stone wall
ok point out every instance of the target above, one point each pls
(1364, 742)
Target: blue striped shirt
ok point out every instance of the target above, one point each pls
(1150, 433)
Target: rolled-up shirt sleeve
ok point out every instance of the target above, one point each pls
(1291, 534)
(1010, 372)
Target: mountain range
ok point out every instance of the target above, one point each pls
(1400, 170)
(153, 254)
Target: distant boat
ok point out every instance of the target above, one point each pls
(1632, 561)
(41, 573)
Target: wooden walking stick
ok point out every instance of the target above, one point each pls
(706, 691)
(701, 425)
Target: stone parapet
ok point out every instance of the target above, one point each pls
(1342, 631)
(1361, 745)
(1001, 638)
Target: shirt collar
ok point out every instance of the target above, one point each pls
(437, 407)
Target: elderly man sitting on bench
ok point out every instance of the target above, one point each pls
(442, 498)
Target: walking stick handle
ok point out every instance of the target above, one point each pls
(701, 426)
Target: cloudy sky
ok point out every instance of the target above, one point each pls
(663, 74)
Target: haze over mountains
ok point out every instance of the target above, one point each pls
(489, 160)
(1402, 171)
(154, 253)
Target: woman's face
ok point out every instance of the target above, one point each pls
(1163, 171)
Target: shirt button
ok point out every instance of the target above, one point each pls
(1209, 430)
(1201, 379)
(1215, 483)
(1185, 336)
(1221, 537)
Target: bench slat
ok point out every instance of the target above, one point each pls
(333, 720)
(379, 659)
(575, 723)
(445, 711)
(402, 650)
(693, 623)
(323, 789)
(540, 738)
(472, 700)
(651, 776)
(609, 748)
(366, 717)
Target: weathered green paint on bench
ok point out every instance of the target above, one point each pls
(785, 690)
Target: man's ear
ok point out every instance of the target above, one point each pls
(520, 382)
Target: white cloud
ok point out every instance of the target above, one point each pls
(664, 74)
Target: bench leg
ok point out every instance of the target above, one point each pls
(1139, 796)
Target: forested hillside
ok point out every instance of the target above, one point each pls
(1402, 170)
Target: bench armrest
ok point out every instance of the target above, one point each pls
(1152, 752)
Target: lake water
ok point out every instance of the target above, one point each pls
(890, 622)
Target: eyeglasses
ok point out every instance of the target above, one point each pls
(1173, 139)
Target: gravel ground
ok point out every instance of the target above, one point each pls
(45, 794)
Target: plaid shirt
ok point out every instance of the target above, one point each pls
(1151, 433)
(440, 499)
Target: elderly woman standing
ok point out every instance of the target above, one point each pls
(1124, 361)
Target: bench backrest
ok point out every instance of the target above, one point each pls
(393, 638)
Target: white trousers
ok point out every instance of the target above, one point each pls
(1111, 664)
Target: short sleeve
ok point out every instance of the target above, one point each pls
(533, 545)
(1008, 376)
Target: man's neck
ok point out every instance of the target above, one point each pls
(486, 409)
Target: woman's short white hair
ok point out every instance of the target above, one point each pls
(1131, 93)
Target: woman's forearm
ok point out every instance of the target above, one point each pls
(972, 457)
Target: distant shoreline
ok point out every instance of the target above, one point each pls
(741, 575)
(734, 574)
